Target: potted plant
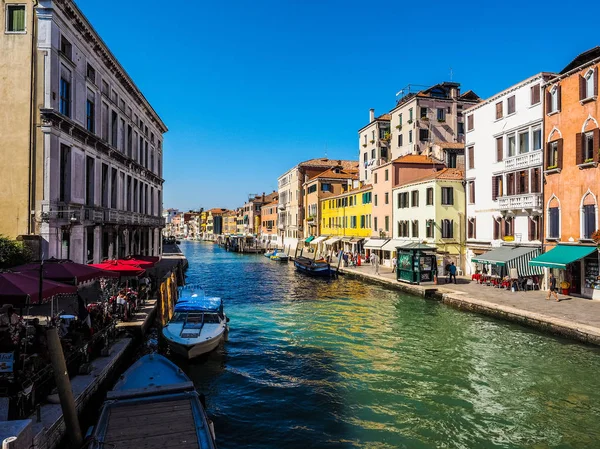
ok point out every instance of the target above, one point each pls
(372, 141)
(398, 127)
(565, 286)
(426, 119)
(364, 145)
(409, 121)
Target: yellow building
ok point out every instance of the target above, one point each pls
(346, 219)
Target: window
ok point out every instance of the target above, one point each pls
(471, 229)
(414, 198)
(65, 174)
(387, 198)
(399, 140)
(589, 220)
(441, 115)
(15, 18)
(508, 227)
(447, 196)
(537, 139)
(587, 85)
(423, 112)
(523, 142)
(366, 197)
(90, 112)
(429, 229)
(366, 157)
(89, 180)
(461, 128)
(386, 174)
(588, 147)
(510, 184)
(534, 227)
(64, 105)
(553, 100)
(523, 182)
(375, 201)
(554, 154)
(447, 229)
(511, 145)
(65, 48)
(471, 156)
(373, 153)
(104, 123)
(424, 135)
(429, 196)
(114, 128)
(91, 73)
(104, 185)
(499, 112)
(402, 200)
(510, 105)
(415, 228)
(410, 137)
(403, 229)
(535, 94)
(312, 189)
(470, 122)
(499, 149)
(451, 159)
(410, 115)
(471, 192)
(497, 229)
(387, 223)
(362, 221)
(536, 180)
(374, 222)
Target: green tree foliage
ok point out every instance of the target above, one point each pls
(12, 253)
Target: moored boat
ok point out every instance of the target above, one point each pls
(319, 267)
(280, 257)
(154, 404)
(198, 324)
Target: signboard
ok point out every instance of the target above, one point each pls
(6, 362)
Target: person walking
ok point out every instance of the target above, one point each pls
(375, 262)
(552, 291)
(452, 272)
(394, 262)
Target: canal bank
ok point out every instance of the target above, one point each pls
(46, 428)
(574, 318)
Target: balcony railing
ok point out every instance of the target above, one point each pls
(524, 160)
(528, 201)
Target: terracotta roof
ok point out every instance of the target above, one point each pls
(341, 174)
(217, 210)
(416, 159)
(448, 174)
(324, 162)
(384, 117)
(452, 145)
(353, 192)
(585, 57)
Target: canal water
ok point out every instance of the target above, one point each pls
(343, 364)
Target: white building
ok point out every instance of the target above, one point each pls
(504, 157)
(101, 143)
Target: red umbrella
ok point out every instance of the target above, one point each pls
(15, 288)
(119, 267)
(137, 262)
(66, 271)
(153, 259)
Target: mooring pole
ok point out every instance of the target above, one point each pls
(63, 384)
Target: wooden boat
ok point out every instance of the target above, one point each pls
(318, 267)
(198, 324)
(153, 405)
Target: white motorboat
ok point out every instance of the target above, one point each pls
(198, 325)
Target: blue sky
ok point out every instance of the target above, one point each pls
(249, 89)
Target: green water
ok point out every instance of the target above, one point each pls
(350, 365)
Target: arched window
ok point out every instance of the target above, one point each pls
(588, 216)
(553, 213)
(589, 87)
(554, 99)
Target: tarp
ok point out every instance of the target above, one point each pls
(310, 239)
(511, 257)
(375, 243)
(392, 244)
(562, 255)
(318, 240)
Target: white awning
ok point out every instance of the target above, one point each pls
(318, 240)
(374, 243)
(332, 240)
(393, 244)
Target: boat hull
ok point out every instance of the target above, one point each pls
(195, 349)
(314, 269)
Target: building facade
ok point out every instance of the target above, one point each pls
(504, 173)
(85, 145)
(268, 230)
(374, 145)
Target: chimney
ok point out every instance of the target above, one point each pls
(371, 115)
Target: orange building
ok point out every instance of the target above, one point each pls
(572, 176)
(268, 215)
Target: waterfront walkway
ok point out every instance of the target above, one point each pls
(571, 317)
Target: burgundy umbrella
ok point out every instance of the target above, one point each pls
(66, 271)
(16, 288)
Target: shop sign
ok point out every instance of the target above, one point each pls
(6, 362)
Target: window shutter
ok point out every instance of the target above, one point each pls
(560, 152)
(548, 158)
(596, 141)
(595, 81)
(530, 233)
(499, 148)
(559, 99)
(475, 227)
(502, 228)
(579, 148)
(494, 188)
(451, 228)
(526, 175)
(581, 88)
(471, 157)
(548, 102)
(451, 195)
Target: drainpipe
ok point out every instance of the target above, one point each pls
(32, 101)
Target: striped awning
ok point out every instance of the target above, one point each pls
(512, 257)
(375, 243)
(318, 240)
(393, 244)
(332, 240)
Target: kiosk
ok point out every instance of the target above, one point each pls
(416, 263)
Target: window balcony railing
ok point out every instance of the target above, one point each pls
(526, 160)
(528, 201)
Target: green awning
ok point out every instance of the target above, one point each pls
(310, 239)
(510, 257)
(562, 255)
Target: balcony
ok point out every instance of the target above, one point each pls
(519, 202)
(281, 207)
(524, 160)
(281, 227)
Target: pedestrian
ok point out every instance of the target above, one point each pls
(447, 268)
(452, 272)
(375, 262)
(394, 262)
(552, 291)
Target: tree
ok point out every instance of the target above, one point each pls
(12, 253)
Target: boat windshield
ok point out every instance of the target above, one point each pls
(191, 319)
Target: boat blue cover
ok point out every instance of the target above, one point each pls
(149, 371)
(199, 304)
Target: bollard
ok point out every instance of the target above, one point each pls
(63, 384)
(9, 443)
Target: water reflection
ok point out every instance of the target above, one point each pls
(313, 363)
